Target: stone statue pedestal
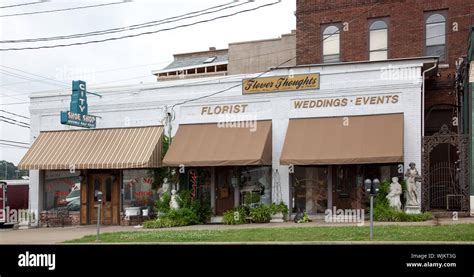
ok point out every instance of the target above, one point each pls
(412, 209)
(277, 218)
(23, 225)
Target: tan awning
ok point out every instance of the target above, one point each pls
(115, 148)
(344, 140)
(211, 145)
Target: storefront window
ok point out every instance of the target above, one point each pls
(310, 189)
(138, 188)
(311, 185)
(198, 182)
(256, 179)
(62, 189)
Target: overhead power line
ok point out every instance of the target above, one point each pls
(179, 85)
(12, 141)
(6, 121)
(14, 146)
(263, 73)
(144, 33)
(16, 121)
(24, 4)
(134, 26)
(22, 116)
(66, 9)
(62, 83)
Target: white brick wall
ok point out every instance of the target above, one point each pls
(145, 105)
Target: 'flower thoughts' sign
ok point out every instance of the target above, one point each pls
(281, 83)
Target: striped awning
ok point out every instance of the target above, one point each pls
(114, 148)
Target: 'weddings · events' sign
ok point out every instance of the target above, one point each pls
(281, 83)
(78, 113)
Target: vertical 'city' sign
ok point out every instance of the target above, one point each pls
(78, 113)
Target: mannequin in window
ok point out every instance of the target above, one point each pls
(265, 183)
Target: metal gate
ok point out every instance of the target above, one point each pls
(446, 185)
(443, 185)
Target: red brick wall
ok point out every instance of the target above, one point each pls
(51, 219)
(406, 32)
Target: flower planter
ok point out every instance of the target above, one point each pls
(132, 211)
(277, 218)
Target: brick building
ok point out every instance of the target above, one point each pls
(348, 31)
(240, 58)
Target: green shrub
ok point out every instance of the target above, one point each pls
(261, 214)
(235, 216)
(184, 199)
(383, 211)
(252, 198)
(163, 205)
(184, 216)
(191, 211)
(173, 218)
(202, 210)
(304, 219)
(279, 208)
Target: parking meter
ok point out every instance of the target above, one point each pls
(372, 187)
(99, 196)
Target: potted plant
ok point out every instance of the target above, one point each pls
(279, 212)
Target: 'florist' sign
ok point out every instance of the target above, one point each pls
(78, 113)
(281, 83)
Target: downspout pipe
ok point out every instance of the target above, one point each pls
(423, 121)
(423, 100)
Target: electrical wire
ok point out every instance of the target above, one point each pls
(2, 120)
(148, 75)
(48, 78)
(14, 120)
(14, 146)
(14, 114)
(27, 78)
(278, 66)
(24, 4)
(12, 141)
(144, 33)
(133, 27)
(94, 72)
(206, 81)
(66, 9)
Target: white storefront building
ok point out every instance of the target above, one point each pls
(346, 91)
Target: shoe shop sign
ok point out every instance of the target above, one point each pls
(78, 113)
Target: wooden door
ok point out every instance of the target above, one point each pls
(224, 190)
(108, 185)
(344, 186)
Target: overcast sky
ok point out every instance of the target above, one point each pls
(127, 61)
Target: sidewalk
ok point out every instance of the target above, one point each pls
(61, 234)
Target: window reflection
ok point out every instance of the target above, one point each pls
(62, 189)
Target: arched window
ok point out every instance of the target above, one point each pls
(331, 47)
(378, 40)
(435, 35)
